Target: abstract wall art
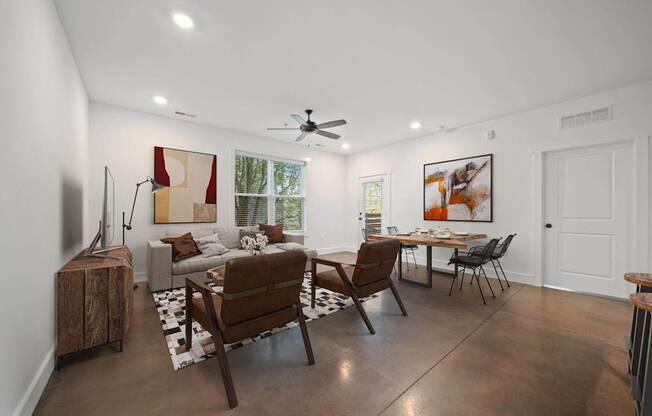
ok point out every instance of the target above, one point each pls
(459, 190)
(190, 180)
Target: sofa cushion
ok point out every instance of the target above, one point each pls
(291, 246)
(183, 247)
(234, 254)
(196, 264)
(272, 250)
(273, 232)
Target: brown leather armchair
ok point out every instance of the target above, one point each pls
(260, 293)
(370, 274)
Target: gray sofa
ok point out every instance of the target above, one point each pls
(162, 274)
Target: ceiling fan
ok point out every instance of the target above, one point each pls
(308, 126)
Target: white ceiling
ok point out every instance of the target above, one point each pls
(379, 64)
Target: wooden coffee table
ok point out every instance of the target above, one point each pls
(216, 274)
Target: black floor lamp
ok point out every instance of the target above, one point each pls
(155, 188)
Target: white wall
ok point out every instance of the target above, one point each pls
(43, 131)
(519, 141)
(124, 140)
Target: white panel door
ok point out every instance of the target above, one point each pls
(373, 205)
(587, 211)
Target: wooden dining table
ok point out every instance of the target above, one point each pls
(456, 243)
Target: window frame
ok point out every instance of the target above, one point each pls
(270, 194)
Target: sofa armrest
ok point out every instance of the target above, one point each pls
(293, 238)
(159, 265)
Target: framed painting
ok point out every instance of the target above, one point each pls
(190, 186)
(459, 190)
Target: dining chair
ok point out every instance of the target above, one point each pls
(405, 248)
(260, 293)
(475, 259)
(500, 252)
(368, 275)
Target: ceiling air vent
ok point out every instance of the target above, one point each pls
(588, 117)
(182, 114)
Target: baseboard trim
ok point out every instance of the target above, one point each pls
(336, 249)
(518, 277)
(36, 387)
(140, 277)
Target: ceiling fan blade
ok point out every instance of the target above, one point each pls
(283, 128)
(301, 136)
(330, 124)
(298, 118)
(328, 134)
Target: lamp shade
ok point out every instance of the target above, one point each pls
(155, 185)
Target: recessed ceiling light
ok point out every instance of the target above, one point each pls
(415, 125)
(160, 100)
(345, 146)
(183, 21)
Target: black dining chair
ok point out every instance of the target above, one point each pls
(405, 248)
(499, 252)
(474, 260)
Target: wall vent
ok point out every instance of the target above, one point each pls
(587, 117)
(182, 114)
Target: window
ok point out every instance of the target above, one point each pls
(269, 191)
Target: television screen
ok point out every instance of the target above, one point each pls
(108, 209)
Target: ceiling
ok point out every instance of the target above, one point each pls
(379, 64)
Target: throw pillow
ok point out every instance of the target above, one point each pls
(209, 239)
(212, 249)
(251, 234)
(183, 247)
(273, 232)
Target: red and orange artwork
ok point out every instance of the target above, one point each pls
(458, 190)
(190, 180)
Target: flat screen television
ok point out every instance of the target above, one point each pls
(106, 232)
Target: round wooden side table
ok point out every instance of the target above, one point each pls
(639, 342)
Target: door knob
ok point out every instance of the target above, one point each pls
(548, 225)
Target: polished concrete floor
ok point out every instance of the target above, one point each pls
(530, 351)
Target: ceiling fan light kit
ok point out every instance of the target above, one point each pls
(307, 127)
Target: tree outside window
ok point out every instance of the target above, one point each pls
(269, 192)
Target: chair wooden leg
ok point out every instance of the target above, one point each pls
(225, 370)
(397, 297)
(218, 341)
(487, 279)
(463, 273)
(188, 318)
(498, 276)
(304, 334)
(313, 288)
(360, 309)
